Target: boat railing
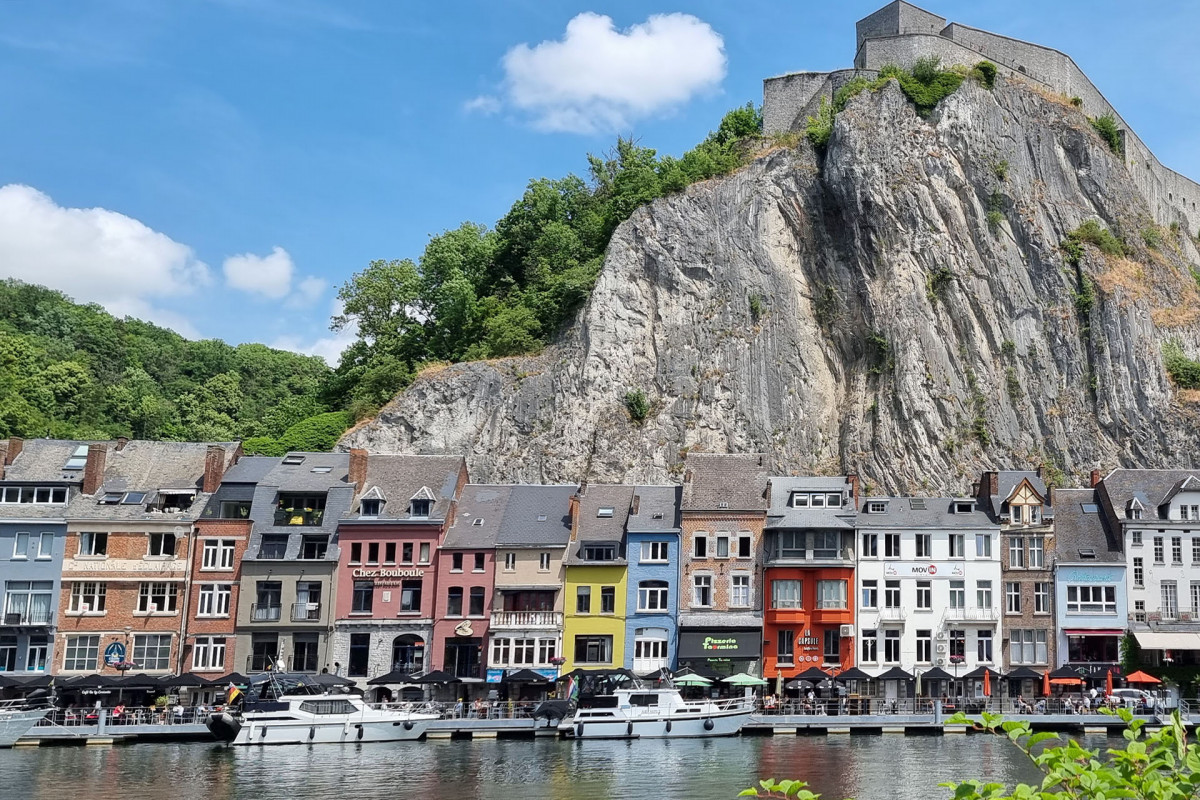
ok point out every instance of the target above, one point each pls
(490, 709)
(129, 715)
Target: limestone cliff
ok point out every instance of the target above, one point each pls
(855, 311)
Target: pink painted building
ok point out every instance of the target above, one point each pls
(465, 581)
(387, 571)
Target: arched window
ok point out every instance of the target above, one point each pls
(652, 596)
(408, 653)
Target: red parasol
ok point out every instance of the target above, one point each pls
(1141, 677)
(1046, 684)
(987, 683)
(1108, 687)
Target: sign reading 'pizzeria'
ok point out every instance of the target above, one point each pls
(924, 569)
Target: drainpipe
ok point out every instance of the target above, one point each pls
(187, 602)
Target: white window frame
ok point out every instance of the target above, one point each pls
(214, 600)
(510, 561)
(1012, 597)
(654, 598)
(654, 553)
(543, 562)
(740, 596)
(208, 653)
(85, 602)
(149, 596)
(702, 580)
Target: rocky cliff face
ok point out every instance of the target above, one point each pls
(855, 312)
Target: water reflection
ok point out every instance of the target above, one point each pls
(863, 767)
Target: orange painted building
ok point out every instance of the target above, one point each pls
(808, 577)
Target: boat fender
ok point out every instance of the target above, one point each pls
(408, 726)
(262, 734)
(629, 729)
(579, 731)
(312, 732)
(360, 732)
(708, 724)
(668, 726)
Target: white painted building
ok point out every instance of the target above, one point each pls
(929, 588)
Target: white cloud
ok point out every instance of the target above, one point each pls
(483, 104)
(308, 291)
(95, 256)
(597, 78)
(269, 275)
(327, 347)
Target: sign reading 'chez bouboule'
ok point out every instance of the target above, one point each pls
(924, 569)
(387, 577)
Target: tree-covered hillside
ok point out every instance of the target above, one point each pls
(75, 371)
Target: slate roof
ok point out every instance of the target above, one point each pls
(42, 460)
(782, 515)
(591, 528)
(1076, 529)
(250, 469)
(399, 478)
(938, 512)
(1007, 482)
(484, 502)
(1151, 487)
(300, 479)
(523, 524)
(738, 481)
(657, 509)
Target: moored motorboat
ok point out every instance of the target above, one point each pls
(17, 718)
(639, 712)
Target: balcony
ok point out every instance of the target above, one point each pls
(891, 615)
(306, 612)
(980, 615)
(19, 618)
(265, 613)
(309, 518)
(527, 619)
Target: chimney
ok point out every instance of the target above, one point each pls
(1095, 478)
(3, 458)
(582, 488)
(121, 442)
(853, 481)
(358, 469)
(573, 513)
(993, 483)
(15, 445)
(93, 468)
(214, 467)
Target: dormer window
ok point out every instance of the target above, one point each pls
(419, 508)
(371, 507)
(1134, 513)
(799, 500)
(599, 552)
(876, 507)
(300, 509)
(964, 508)
(168, 502)
(817, 501)
(1087, 553)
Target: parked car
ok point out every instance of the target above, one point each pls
(1135, 698)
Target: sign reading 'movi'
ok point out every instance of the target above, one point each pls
(924, 569)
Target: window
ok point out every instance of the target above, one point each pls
(424, 553)
(870, 646)
(1139, 610)
(456, 562)
(604, 512)
(389, 552)
(876, 507)
(370, 507)
(1012, 598)
(480, 562)
(816, 500)
(315, 547)
(787, 594)
(8, 653)
(419, 508)
(983, 646)
(653, 552)
(162, 545)
(1037, 552)
(583, 600)
(214, 599)
(601, 552)
(156, 598)
(543, 562)
(1041, 598)
(870, 594)
(364, 597)
(1016, 552)
(870, 545)
(1158, 550)
(360, 657)
(300, 509)
(454, 601)
(799, 500)
(891, 647)
(273, 546)
(652, 596)
(831, 594)
(1195, 600)
(1092, 599)
(958, 644)
(891, 545)
(373, 552)
(37, 657)
(21, 546)
(40, 495)
(88, 597)
(702, 590)
(500, 651)
(790, 544)
(924, 545)
(45, 546)
(1027, 646)
(522, 652)
(593, 649)
(267, 601)
(785, 647)
(608, 599)
(208, 653)
(700, 546)
(235, 509)
(983, 545)
(827, 544)
(1136, 538)
(924, 595)
(1170, 600)
(739, 590)
(891, 594)
(410, 594)
(152, 651)
(81, 653)
(744, 545)
(356, 552)
(983, 594)
(1176, 550)
(264, 652)
(30, 600)
(548, 649)
(475, 607)
(924, 646)
(722, 546)
(1196, 550)
(93, 544)
(833, 646)
(957, 545)
(304, 652)
(958, 594)
(308, 602)
(1139, 573)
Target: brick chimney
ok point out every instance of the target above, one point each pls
(93, 468)
(121, 442)
(3, 458)
(573, 511)
(15, 445)
(358, 469)
(214, 468)
(1095, 478)
(852, 479)
(992, 482)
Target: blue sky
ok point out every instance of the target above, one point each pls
(239, 159)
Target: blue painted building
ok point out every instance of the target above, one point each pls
(37, 480)
(1091, 611)
(652, 552)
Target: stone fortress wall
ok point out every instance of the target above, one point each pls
(900, 33)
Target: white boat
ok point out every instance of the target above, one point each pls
(658, 713)
(16, 720)
(298, 715)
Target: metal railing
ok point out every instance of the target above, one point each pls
(129, 715)
(27, 617)
(963, 614)
(891, 614)
(261, 613)
(527, 619)
(306, 612)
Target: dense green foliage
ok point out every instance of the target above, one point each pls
(314, 434)
(637, 405)
(985, 71)
(1106, 126)
(1090, 232)
(1183, 370)
(75, 371)
(927, 84)
(479, 292)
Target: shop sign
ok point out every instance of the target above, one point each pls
(716, 644)
(924, 569)
(495, 675)
(808, 641)
(114, 654)
(1089, 575)
(387, 577)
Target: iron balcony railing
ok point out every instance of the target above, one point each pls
(265, 613)
(38, 617)
(971, 615)
(527, 619)
(306, 612)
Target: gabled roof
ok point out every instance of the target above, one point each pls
(1152, 488)
(424, 493)
(719, 482)
(781, 514)
(615, 501)
(399, 479)
(1189, 484)
(42, 460)
(655, 508)
(1007, 483)
(374, 493)
(1079, 530)
(478, 517)
(926, 512)
(537, 516)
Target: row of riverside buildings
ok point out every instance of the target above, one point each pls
(193, 558)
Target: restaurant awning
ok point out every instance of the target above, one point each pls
(1168, 640)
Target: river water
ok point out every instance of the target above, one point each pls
(862, 767)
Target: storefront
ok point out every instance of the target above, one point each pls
(721, 651)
